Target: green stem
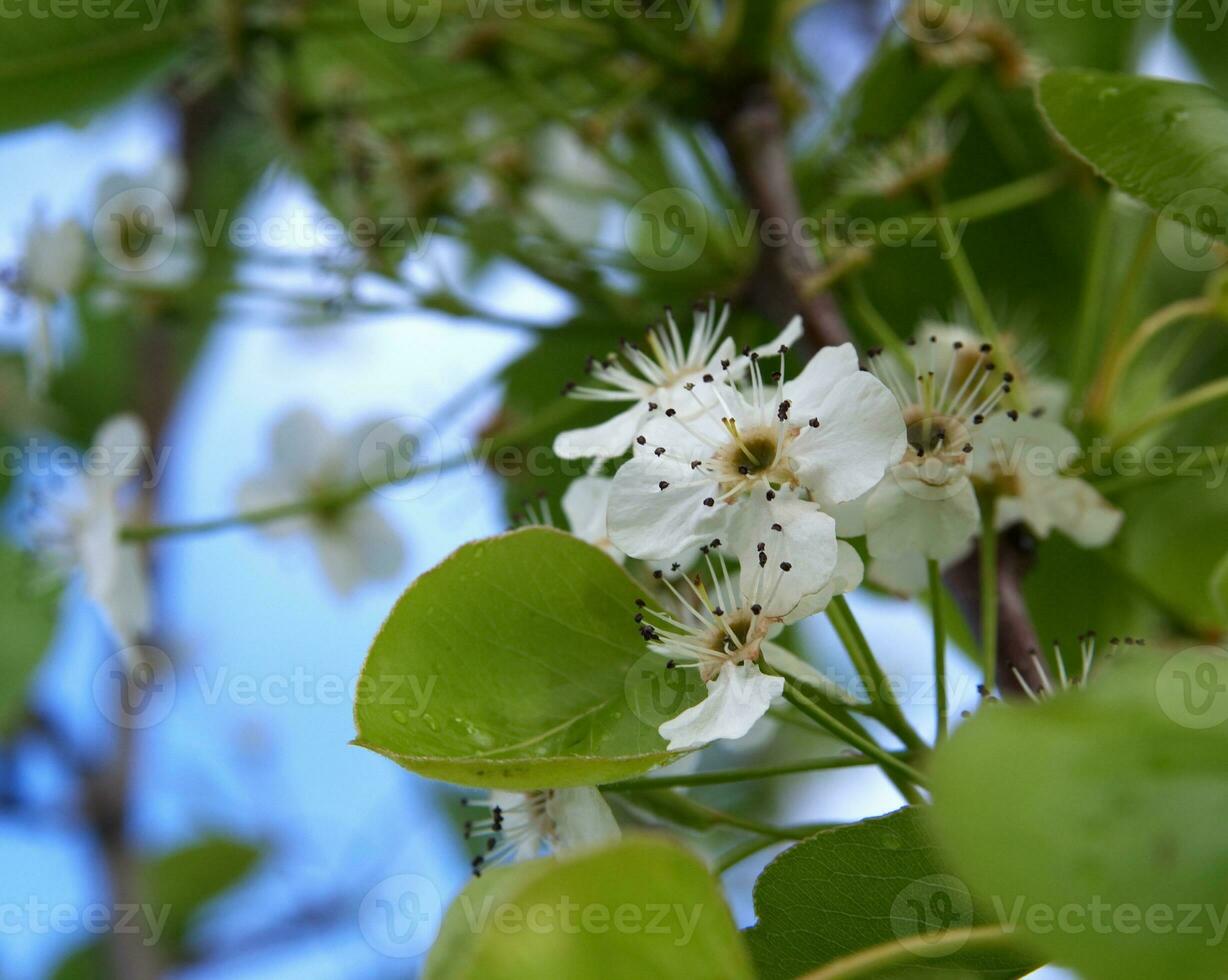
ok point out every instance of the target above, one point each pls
(989, 592)
(961, 269)
(889, 762)
(1086, 330)
(721, 776)
(877, 685)
(1197, 397)
(1005, 197)
(940, 648)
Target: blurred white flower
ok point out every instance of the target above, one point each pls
(52, 267)
(660, 376)
(522, 825)
(584, 504)
(1022, 462)
(81, 529)
(309, 460)
(143, 241)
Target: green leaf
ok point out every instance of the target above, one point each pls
(645, 907)
(878, 883)
(58, 67)
(29, 615)
(1163, 142)
(515, 663)
(1094, 819)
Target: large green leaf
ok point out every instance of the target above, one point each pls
(1095, 820)
(29, 614)
(1164, 142)
(58, 67)
(516, 663)
(878, 884)
(645, 907)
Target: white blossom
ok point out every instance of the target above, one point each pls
(52, 266)
(926, 505)
(81, 530)
(774, 460)
(352, 539)
(523, 825)
(725, 630)
(655, 376)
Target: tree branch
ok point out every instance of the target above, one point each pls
(754, 134)
(1017, 639)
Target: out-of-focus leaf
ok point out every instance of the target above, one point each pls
(58, 67)
(1200, 26)
(28, 612)
(1163, 142)
(645, 907)
(1093, 819)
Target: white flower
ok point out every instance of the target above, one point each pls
(53, 260)
(776, 460)
(926, 504)
(52, 266)
(655, 377)
(727, 629)
(309, 460)
(138, 233)
(82, 530)
(1022, 463)
(522, 825)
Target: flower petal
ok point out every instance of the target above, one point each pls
(582, 818)
(645, 521)
(907, 515)
(604, 441)
(1068, 504)
(860, 433)
(301, 440)
(821, 375)
(585, 503)
(737, 698)
(847, 575)
(793, 532)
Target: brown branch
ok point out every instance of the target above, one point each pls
(756, 139)
(1017, 640)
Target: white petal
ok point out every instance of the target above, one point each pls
(906, 515)
(645, 521)
(301, 440)
(121, 443)
(806, 542)
(378, 544)
(860, 434)
(737, 698)
(821, 375)
(609, 439)
(1031, 445)
(739, 364)
(582, 818)
(584, 504)
(904, 575)
(126, 606)
(1069, 504)
(847, 576)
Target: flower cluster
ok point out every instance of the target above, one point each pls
(741, 483)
